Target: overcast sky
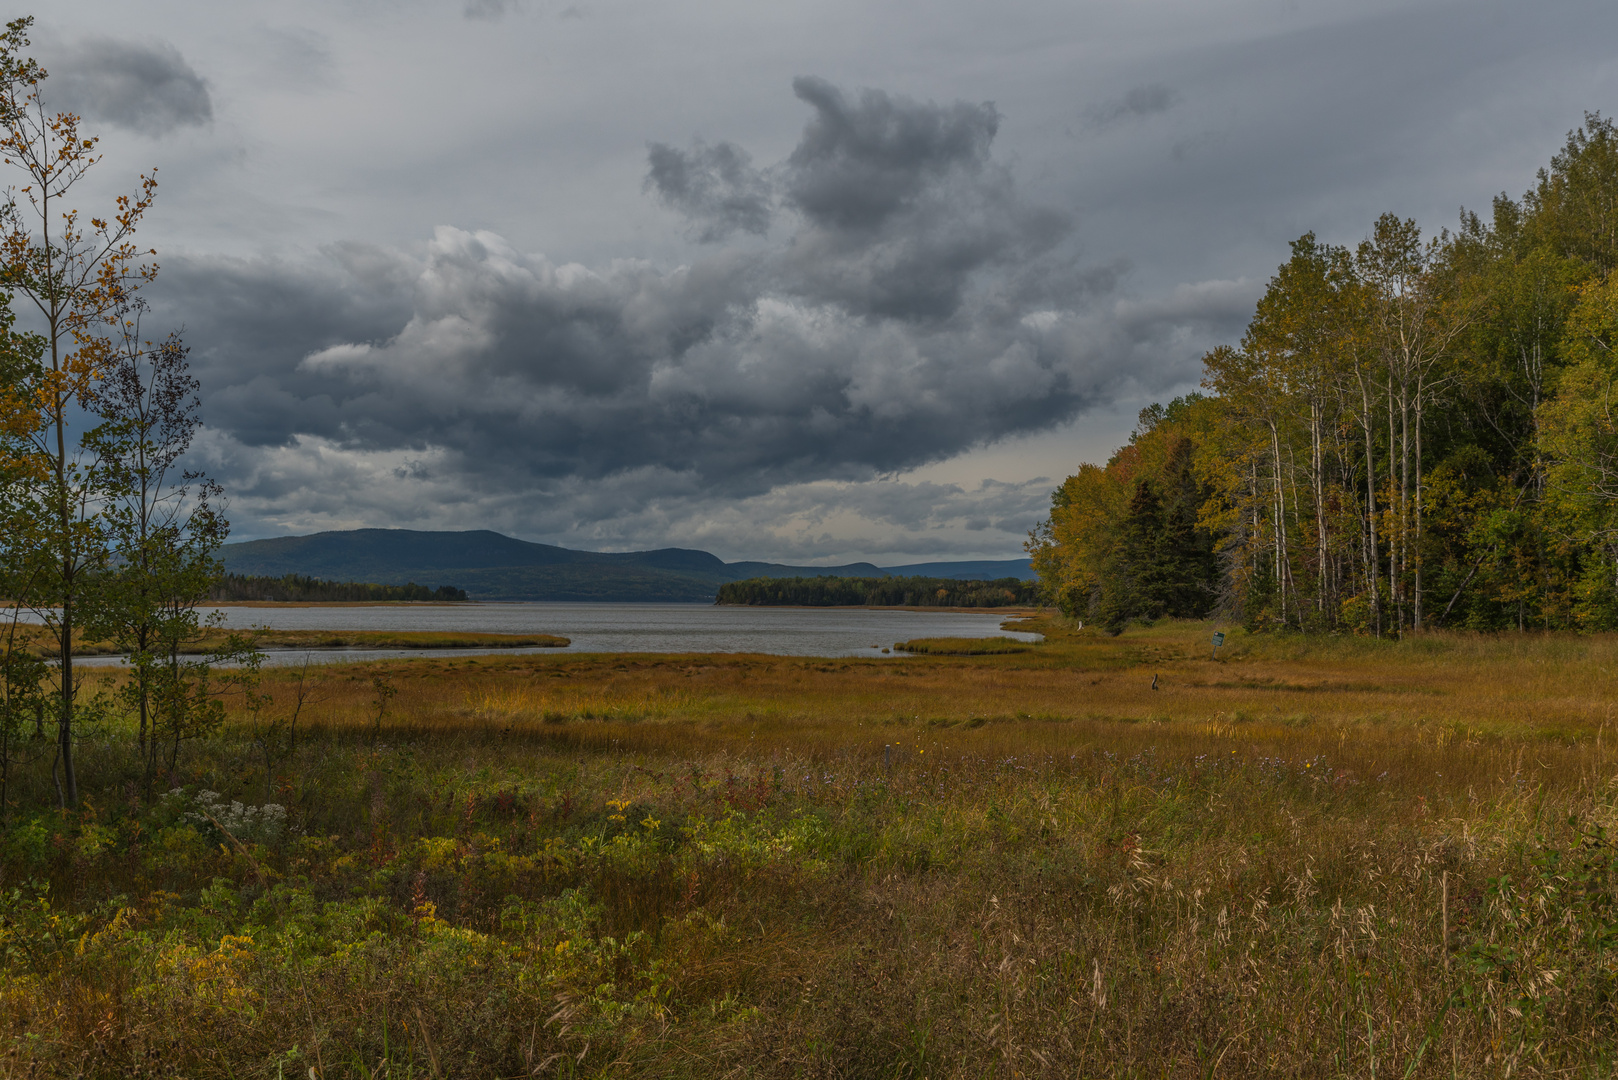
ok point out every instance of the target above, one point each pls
(806, 281)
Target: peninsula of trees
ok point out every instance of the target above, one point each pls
(878, 592)
(298, 588)
(1412, 433)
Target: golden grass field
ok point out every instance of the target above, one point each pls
(1322, 857)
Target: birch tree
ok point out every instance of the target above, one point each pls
(1415, 315)
(76, 271)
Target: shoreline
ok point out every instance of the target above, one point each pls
(1025, 611)
(337, 603)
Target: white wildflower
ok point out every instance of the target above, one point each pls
(249, 824)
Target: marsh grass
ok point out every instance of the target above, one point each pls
(38, 639)
(1306, 859)
(993, 646)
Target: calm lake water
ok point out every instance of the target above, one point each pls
(661, 628)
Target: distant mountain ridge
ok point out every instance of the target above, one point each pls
(492, 566)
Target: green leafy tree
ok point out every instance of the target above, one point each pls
(24, 676)
(1578, 438)
(1071, 549)
(77, 272)
(163, 528)
(1573, 208)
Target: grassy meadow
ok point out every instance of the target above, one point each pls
(1312, 857)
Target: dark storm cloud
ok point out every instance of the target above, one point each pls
(714, 186)
(145, 87)
(921, 307)
(899, 202)
(861, 162)
(249, 321)
(874, 168)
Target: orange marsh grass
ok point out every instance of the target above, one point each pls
(1027, 865)
(1538, 690)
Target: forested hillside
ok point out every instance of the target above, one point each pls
(490, 566)
(1413, 432)
(878, 592)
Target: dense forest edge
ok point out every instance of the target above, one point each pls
(296, 588)
(878, 592)
(1412, 433)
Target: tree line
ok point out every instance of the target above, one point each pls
(296, 588)
(1413, 432)
(878, 592)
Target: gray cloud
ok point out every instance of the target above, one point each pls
(490, 9)
(899, 200)
(297, 56)
(715, 186)
(859, 163)
(553, 370)
(1139, 102)
(147, 87)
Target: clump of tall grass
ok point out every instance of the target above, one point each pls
(993, 646)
